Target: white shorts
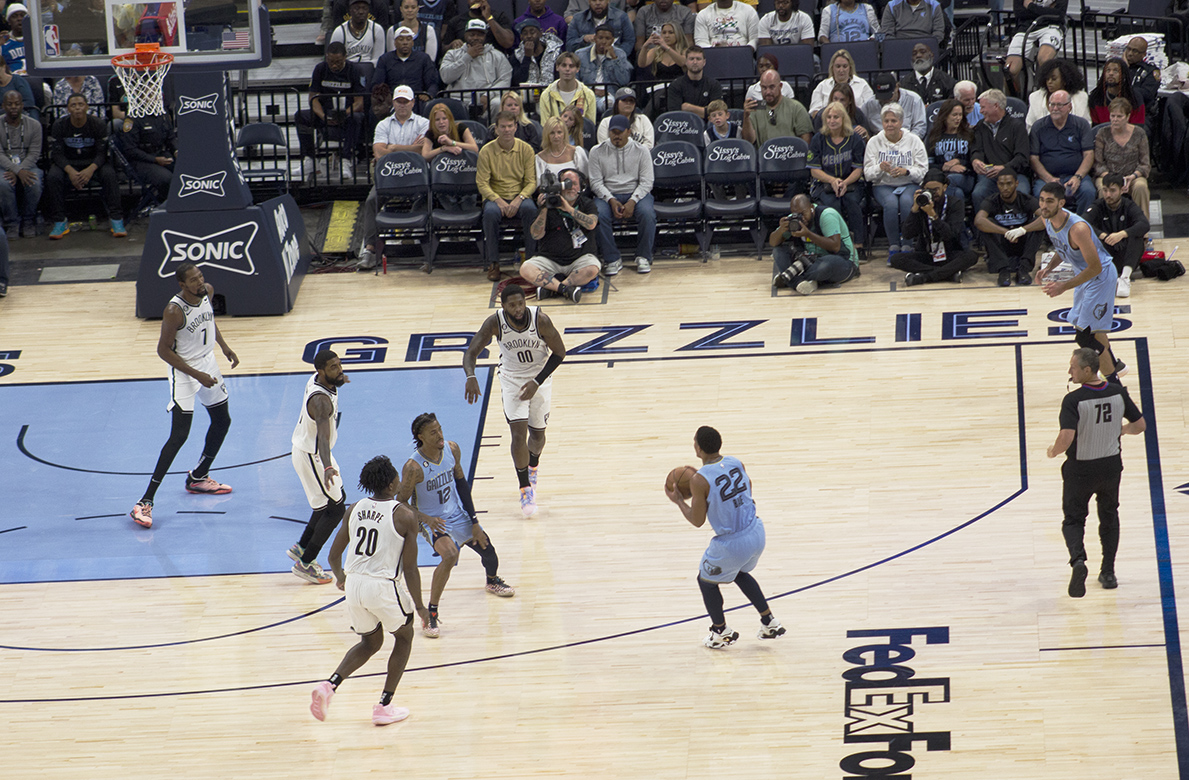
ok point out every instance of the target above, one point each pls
(183, 387)
(1045, 36)
(312, 473)
(535, 410)
(372, 601)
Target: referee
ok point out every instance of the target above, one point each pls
(1091, 425)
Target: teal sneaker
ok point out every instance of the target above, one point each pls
(117, 228)
(59, 230)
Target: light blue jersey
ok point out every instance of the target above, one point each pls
(1094, 300)
(729, 507)
(437, 495)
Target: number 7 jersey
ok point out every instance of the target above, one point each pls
(729, 507)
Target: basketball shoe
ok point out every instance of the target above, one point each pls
(532, 478)
(205, 485)
(295, 552)
(311, 572)
(320, 699)
(498, 587)
(142, 514)
(772, 630)
(720, 639)
(429, 626)
(528, 501)
(384, 714)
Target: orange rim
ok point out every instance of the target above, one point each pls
(146, 56)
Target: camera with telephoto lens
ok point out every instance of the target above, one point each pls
(794, 221)
(553, 189)
(924, 198)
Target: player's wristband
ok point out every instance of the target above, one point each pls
(550, 365)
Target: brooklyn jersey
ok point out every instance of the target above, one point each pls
(1060, 239)
(523, 353)
(374, 546)
(729, 507)
(436, 493)
(1095, 413)
(196, 338)
(305, 435)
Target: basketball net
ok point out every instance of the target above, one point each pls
(142, 73)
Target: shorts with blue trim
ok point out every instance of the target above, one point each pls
(730, 554)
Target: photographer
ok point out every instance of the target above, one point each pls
(819, 249)
(564, 232)
(935, 224)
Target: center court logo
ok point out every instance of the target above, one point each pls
(198, 105)
(227, 250)
(202, 185)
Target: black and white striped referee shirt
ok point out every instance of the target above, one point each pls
(1095, 413)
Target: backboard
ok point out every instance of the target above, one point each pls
(79, 37)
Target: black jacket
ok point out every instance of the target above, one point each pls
(947, 230)
(1007, 146)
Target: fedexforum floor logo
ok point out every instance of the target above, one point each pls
(227, 250)
(881, 697)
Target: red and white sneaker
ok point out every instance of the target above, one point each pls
(384, 714)
(142, 514)
(498, 587)
(206, 485)
(430, 627)
(320, 699)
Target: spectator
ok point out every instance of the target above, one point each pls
(336, 12)
(1057, 75)
(785, 116)
(364, 40)
(905, 19)
(526, 129)
(886, 91)
(381, 110)
(893, 163)
(652, 18)
(563, 235)
(10, 82)
(764, 63)
(332, 104)
(948, 145)
(1009, 208)
(507, 177)
(930, 83)
(13, 49)
(787, 24)
(693, 91)
(605, 66)
(1113, 84)
(87, 86)
(20, 187)
(858, 119)
(1121, 227)
(1143, 77)
(1119, 149)
(566, 90)
(1000, 142)
(425, 34)
(835, 160)
(404, 131)
(548, 21)
(966, 92)
(478, 67)
(150, 147)
(534, 59)
(79, 153)
(664, 55)
(4, 267)
(639, 125)
(718, 124)
(727, 23)
(575, 125)
(1062, 151)
(847, 21)
(621, 180)
(558, 152)
(498, 26)
(445, 137)
(434, 13)
(574, 7)
(581, 31)
(819, 249)
(405, 66)
(1041, 44)
(842, 71)
(935, 222)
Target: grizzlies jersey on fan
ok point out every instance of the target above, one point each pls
(436, 493)
(729, 507)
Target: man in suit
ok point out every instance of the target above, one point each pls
(928, 82)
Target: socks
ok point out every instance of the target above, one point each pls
(386, 698)
(522, 476)
(336, 680)
(766, 619)
(534, 459)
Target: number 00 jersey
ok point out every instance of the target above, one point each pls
(522, 352)
(436, 494)
(196, 338)
(729, 507)
(305, 435)
(374, 547)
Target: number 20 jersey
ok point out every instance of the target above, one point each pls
(729, 507)
(522, 353)
(374, 546)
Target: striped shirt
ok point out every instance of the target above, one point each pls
(1095, 414)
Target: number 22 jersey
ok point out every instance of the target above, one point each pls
(729, 507)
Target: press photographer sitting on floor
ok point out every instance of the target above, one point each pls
(819, 250)
(564, 232)
(935, 226)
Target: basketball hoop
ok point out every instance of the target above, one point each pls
(142, 73)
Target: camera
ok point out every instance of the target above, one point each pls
(924, 198)
(553, 189)
(794, 221)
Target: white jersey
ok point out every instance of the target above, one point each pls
(196, 338)
(522, 352)
(305, 435)
(374, 546)
(365, 48)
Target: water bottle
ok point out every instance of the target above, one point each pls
(93, 222)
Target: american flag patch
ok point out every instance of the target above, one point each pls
(237, 39)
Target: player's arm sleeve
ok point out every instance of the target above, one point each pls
(550, 366)
(464, 495)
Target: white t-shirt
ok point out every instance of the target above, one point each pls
(367, 47)
(798, 28)
(735, 26)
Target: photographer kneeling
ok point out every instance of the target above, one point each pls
(820, 249)
(563, 232)
(935, 224)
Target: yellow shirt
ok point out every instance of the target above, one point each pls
(506, 173)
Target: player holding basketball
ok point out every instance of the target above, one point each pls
(187, 344)
(313, 438)
(722, 494)
(380, 539)
(530, 350)
(1093, 310)
(434, 475)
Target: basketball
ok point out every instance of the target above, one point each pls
(679, 478)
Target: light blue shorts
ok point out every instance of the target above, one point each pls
(458, 528)
(728, 555)
(1094, 301)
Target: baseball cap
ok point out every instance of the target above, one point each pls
(368, 3)
(477, 24)
(402, 91)
(528, 21)
(625, 93)
(935, 176)
(403, 31)
(619, 122)
(884, 84)
(12, 9)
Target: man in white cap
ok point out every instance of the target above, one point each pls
(365, 40)
(477, 66)
(14, 48)
(404, 65)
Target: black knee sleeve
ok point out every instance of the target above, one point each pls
(488, 557)
(334, 511)
(220, 424)
(1084, 337)
(179, 429)
(331, 515)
